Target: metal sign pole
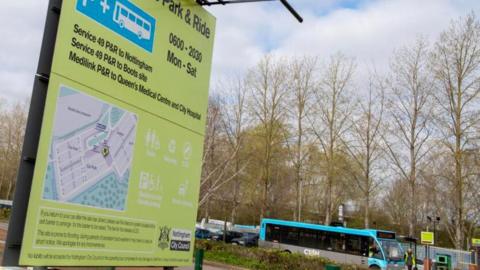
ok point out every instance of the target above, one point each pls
(226, 2)
(32, 134)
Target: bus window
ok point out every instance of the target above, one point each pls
(322, 238)
(353, 245)
(392, 249)
(124, 12)
(273, 233)
(334, 242)
(374, 250)
(290, 236)
(308, 238)
(364, 246)
(139, 22)
(131, 17)
(146, 27)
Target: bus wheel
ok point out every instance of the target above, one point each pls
(139, 35)
(122, 24)
(374, 267)
(287, 251)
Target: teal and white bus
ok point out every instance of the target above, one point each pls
(375, 249)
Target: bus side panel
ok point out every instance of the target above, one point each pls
(358, 260)
(331, 255)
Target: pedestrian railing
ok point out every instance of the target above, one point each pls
(460, 259)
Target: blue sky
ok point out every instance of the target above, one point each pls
(368, 30)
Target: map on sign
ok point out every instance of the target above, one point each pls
(90, 153)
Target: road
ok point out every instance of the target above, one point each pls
(205, 267)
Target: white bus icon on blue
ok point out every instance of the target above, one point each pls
(131, 21)
(122, 17)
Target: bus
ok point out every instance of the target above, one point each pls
(131, 21)
(6, 204)
(375, 249)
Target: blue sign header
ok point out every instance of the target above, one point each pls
(123, 18)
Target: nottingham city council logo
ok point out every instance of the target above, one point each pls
(164, 237)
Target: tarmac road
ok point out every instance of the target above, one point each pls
(205, 267)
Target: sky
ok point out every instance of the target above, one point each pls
(367, 30)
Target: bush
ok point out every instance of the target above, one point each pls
(5, 213)
(262, 259)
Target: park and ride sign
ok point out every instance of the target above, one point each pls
(427, 238)
(476, 242)
(118, 167)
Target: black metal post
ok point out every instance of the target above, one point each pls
(225, 2)
(292, 10)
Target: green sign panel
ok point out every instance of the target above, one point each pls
(118, 167)
(475, 242)
(427, 238)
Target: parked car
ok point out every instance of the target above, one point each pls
(229, 236)
(247, 240)
(202, 234)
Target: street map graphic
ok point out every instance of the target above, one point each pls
(90, 153)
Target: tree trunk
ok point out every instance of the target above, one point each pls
(298, 208)
(236, 188)
(235, 201)
(265, 198)
(328, 208)
(367, 210)
(459, 190)
(458, 167)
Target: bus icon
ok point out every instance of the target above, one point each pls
(122, 17)
(131, 21)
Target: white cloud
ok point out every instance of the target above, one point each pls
(368, 30)
(21, 29)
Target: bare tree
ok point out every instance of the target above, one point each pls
(456, 67)
(365, 146)
(268, 85)
(396, 204)
(217, 158)
(333, 112)
(234, 121)
(209, 161)
(410, 110)
(12, 131)
(301, 83)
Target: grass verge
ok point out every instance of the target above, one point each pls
(262, 259)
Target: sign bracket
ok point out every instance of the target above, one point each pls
(226, 2)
